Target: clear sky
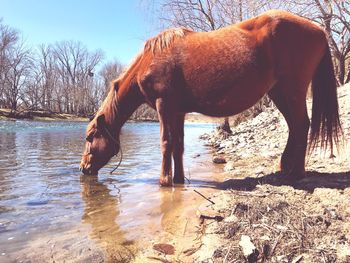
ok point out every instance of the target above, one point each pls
(119, 28)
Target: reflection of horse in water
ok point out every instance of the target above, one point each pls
(101, 212)
(179, 208)
(170, 199)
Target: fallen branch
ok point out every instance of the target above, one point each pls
(203, 196)
(217, 218)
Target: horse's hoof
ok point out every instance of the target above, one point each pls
(165, 181)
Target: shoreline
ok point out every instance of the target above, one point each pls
(5, 114)
(264, 218)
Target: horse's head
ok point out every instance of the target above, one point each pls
(100, 146)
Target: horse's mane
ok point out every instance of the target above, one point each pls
(155, 45)
(165, 39)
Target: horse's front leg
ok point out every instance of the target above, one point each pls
(165, 122)
(178, 148)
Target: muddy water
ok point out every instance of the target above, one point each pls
(49, 212)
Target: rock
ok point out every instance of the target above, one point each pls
(205, 136)
(231, 219)
(230, 166)
(248, 248)
(219, 159)
(343, 253)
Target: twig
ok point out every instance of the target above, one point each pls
(298, 259)
(203, 196)
(276, 242)
(183, 234)
(158, 259)
(228, 252)
(189, 177)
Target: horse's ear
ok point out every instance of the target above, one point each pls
(101, 121)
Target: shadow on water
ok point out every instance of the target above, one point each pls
(312, 181)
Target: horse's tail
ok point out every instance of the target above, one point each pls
(325, 124)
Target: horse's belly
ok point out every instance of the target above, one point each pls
(227, 87)
(232, 102)
(228, 96)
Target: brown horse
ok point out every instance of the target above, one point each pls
(221, 73)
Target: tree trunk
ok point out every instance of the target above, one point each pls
(226, 126)
(341, 69)
(348, 74)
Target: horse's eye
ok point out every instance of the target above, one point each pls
(90, 137)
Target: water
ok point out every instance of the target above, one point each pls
(49, 211)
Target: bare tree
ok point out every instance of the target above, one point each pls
(109, 72)
(39, 92)
(75, 66)
(58, 77)
(48, 77)
(8, 40)
(334, 16)
(206, 15)
(18, 74)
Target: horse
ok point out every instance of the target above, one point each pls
(222, 73)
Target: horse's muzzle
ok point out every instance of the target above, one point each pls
(87, 171)
(86, 168)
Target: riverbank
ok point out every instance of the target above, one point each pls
(6, 114)
(258, 217)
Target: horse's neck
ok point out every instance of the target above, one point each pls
(124, 108)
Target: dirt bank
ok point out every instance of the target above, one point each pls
(261, 213)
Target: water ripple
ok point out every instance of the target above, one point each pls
(42, 192)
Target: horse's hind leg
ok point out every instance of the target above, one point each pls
(291, 101)
(178, 148)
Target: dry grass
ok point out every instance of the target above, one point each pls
(284, 225)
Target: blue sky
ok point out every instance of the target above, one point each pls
(119, 28)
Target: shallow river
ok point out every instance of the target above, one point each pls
(50, 212)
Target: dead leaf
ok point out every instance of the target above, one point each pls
(167, 249)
